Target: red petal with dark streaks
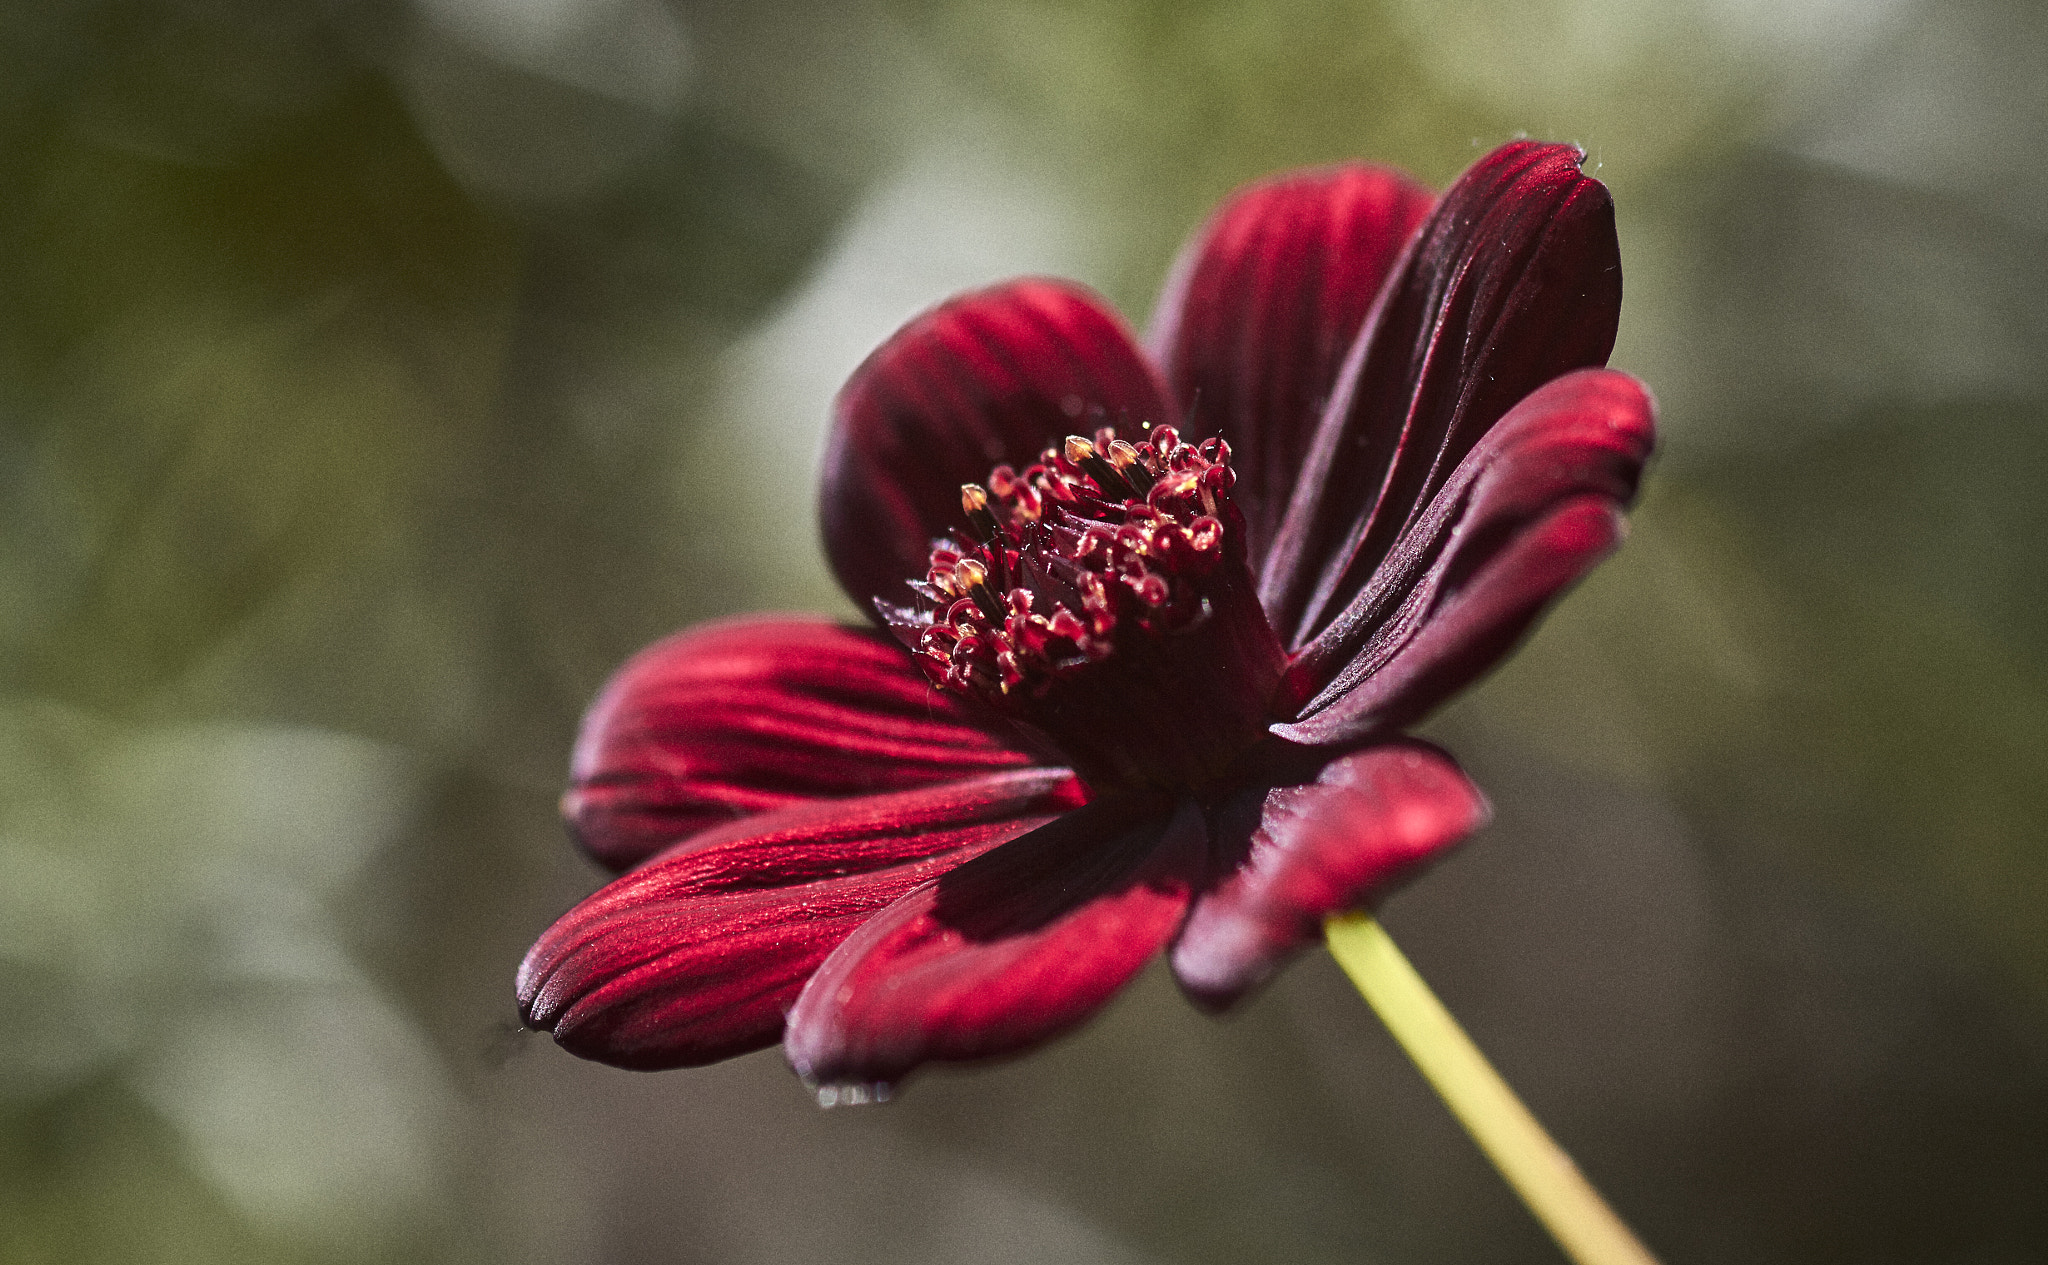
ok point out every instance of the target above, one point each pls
(1369, 820)
(1004, 953)
(696, 956)
(990, 377)
(1527, 513)
(748, 715)
(1263, 305)
(1515, 280)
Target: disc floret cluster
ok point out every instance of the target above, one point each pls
(1099, 536)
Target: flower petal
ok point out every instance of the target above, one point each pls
(1262, 306)
(696, 956)
(1006, 952)
(990, 377)
(747, 715)
(1369, 820)
(1528, 512)
(1515, 280)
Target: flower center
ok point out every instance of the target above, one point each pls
(1104, 599)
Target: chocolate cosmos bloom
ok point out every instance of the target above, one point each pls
(1150, 625)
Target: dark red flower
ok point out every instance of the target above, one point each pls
(1129, 691)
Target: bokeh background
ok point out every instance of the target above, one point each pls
(375, 375)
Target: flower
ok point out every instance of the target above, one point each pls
(1130, 690)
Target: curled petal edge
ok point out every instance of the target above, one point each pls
(1495, 548)
(1009, 951)
(1370, 820)
(696, 956)
(1514, 280)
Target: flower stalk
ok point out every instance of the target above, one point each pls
(1532, 1162)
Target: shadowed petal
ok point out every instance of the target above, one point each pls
(747, 715)
(1515, 280)
(1006, 952)
(695, 956)
(1530, 510)
(1369, 820)
(990, 377)
(1263, 305)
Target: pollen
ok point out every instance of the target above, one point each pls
(1102, 597)
(1099, 538)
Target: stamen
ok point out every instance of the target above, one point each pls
(1104, 602)
(1106, 475)
(971, 577)
(1125, 458)
(974, 500)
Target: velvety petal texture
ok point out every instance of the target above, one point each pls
(826, 846)
(1005, 952)
(987, 378)
(747, 715)
(1369, 820)
(695, 956)
(1514, 280)
(1262, 307)
(1528, 512)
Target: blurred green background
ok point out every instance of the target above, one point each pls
(374, 376)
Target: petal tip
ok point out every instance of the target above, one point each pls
(1369, 822)
(1215, 978)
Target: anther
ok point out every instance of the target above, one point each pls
(1107, 477)
(1124, 457)
(974, 500)
(1100, 547)
(972, 577)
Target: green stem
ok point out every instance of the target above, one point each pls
(1539, 1170)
